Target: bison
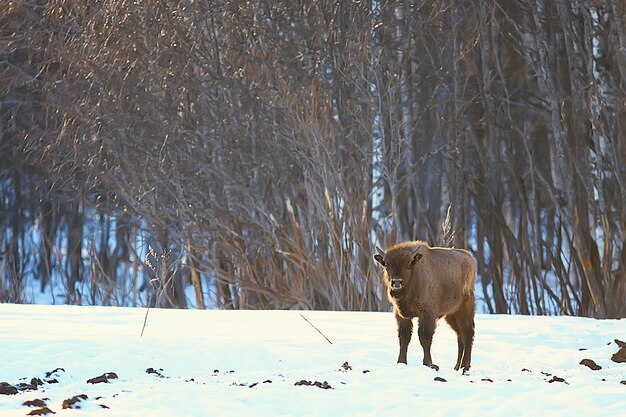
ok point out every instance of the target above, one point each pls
(430, 283)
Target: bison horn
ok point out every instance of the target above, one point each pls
(380, 251)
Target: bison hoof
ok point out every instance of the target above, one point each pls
(433, 366)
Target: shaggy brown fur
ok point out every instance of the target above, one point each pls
(430, 283)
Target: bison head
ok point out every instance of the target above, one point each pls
(398, 265)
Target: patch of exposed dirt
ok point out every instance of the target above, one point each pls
(34, 403)
(440, 379)
(73, 402)
(322, 385)
(557, 379)
(34, 385)
(52, 376)
(41, 412)
(104, 378)
(345, 367)
(590, 364)
(254, 384)
(7, 389)
(55, 372)
(154, 371)
(620, 355)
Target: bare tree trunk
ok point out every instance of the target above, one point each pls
(195, 276)
(74, 254)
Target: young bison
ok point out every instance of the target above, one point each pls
(430, 283)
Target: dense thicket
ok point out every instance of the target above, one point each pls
(265, 147)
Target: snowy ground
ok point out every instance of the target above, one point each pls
(244, 363)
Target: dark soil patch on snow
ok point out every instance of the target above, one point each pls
(41, 412)
(34, 403)
(7, 389)
(322, 385)
(55, 372)
(104, 378)
(51, 377)
(590, 364)
(440, 379)
(154, 371)
(345, 367)
(254, 384)
(620, 355)
(557, 379)
(32, 386)
(73, 402)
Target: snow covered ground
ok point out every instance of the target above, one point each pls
(246, 363)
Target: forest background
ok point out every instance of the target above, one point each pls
(263, 149)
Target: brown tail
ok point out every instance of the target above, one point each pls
(470, 279)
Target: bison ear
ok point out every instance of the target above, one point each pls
(415, 260)
(378, 258)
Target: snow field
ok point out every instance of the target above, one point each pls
(221, 362)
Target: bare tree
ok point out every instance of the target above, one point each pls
(269, 146)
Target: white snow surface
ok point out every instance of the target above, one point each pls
(211, 359)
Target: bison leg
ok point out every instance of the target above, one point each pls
(451, 319)
(465, 320)
(468, 333)
(468, 340)
(405, 330)
(425, 331)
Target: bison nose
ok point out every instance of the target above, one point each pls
(396, 283)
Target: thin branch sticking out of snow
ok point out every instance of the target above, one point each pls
(318, 330)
